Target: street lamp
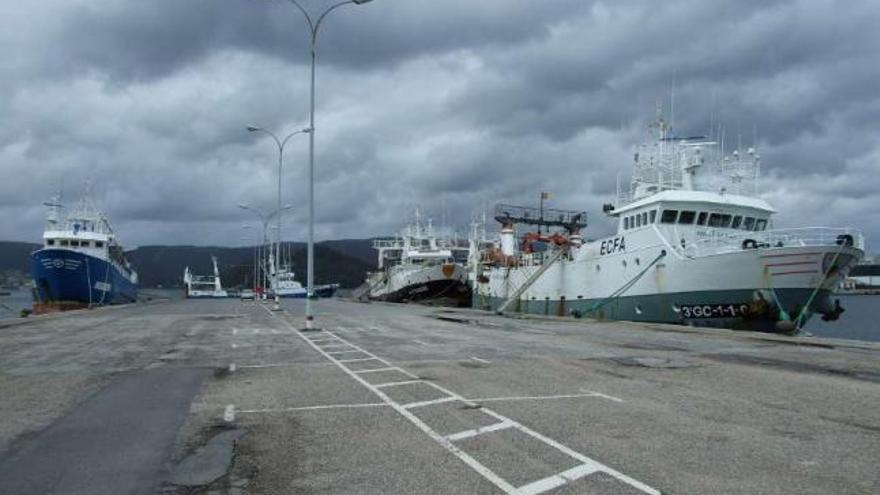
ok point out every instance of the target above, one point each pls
(313, 28)
(265, 219)
(253, 239)
(281, 143)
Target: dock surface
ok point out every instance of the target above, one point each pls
(229, 397)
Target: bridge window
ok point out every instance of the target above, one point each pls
(668, 216)
(748, 223)
(74, 243)
(63, 242)
(50, 242)
(687, 217)
(99, 244)
(761, 224)
(721, 220)
(638, 220)
(736, 221)
(701, 220)
(653, 216)
(645, 218)
(625, 223)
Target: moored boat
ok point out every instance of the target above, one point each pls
(695, 245)
(80, 263)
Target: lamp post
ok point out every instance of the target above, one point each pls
(252, 238)
(265, 219)
(281, 143)
(313, 28)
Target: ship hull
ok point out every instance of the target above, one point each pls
(445, 284)
(761, 290)
(454, 291)
(72, 278)
(322, 291)
(733, 309)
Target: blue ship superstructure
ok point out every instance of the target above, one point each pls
(80, 262)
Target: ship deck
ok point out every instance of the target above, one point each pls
(226, 396)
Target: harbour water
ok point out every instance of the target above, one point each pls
(17, 300)
(858, 322)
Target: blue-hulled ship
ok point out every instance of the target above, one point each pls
(81, 264)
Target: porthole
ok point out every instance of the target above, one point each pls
(637, 262)
(598, 268)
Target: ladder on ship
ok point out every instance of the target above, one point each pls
(531, 280)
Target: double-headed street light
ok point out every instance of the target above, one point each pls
(314, 26)
(281, 143)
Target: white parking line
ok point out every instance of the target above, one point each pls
(556, 480)
(358, 360)
(395, 384)
(312, 408)
(480, 360)
(390, 368)
(413, 405)
(588, 465)
(478, 431)
(342, 352)
(544, 397)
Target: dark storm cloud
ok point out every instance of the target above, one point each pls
(450, 106)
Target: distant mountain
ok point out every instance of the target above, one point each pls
(14, 255)
(344, 261)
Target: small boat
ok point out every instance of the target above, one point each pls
(204, 286)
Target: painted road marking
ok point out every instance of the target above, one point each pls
(342, 352)
(480, 360)
(478, 431)
(229, 413)
(545, 397)
(556, 480)
(423, 403)
(588, 465)
(395, 368)
(395, 384)
(358, 360)
(312, 408)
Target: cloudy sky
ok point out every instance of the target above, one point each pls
(451, 105)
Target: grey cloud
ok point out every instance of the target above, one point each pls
(448, 105)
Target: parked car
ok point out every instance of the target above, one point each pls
(247, 294)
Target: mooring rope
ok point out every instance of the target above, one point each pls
(625, 287)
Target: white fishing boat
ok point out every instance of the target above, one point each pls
(695, 244)
(418, 266)
(204, 286)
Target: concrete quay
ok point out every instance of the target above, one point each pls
(228, 397)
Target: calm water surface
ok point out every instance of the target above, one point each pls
(860, 321)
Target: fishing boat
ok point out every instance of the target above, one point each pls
(204, 286)
(419, 266)
(695, 245)
(285, 285)
(80, 263)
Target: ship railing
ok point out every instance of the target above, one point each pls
(724, 241)
(387, 244)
